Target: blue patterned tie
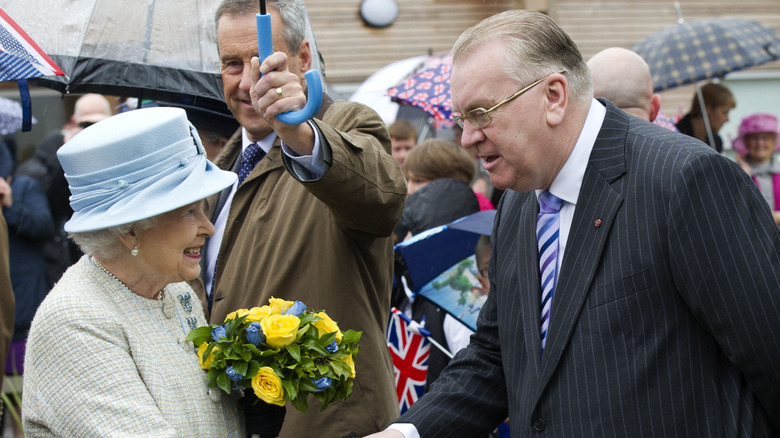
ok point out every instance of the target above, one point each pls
(252, 155)
(547, 229)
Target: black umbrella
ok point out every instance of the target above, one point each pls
(161, 50)
(691, 51)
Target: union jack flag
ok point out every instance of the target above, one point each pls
(20, 57)
(410, 350)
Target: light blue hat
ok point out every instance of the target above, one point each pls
(134, 166)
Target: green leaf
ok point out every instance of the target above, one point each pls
(223, 382)
(351, 337)
(254, 366)
(327, 339)
(301, 402)
(199, 335)
(290, 391)
(315, 345)
(240, 367)
(294, 351)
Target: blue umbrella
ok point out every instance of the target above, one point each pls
(691, 51)
(440, 264)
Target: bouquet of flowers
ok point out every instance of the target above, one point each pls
(282, 351)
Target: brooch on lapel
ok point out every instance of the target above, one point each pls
(186, 302)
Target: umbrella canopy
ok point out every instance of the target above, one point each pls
(429, 89)
(162, 50)
(692, 51)
(11, 116)
(441, 267)
(373, 91)
(21, 58)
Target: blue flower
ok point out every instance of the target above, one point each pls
(254, 334)
(296, 309)
(218, 332)
(322, 383)
(332, 347)
(232, 375)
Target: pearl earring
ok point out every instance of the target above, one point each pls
(134, 251)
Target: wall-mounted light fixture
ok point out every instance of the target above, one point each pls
(379, 13)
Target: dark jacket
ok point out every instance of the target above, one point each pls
(29, 226)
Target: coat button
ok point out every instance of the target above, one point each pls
(539, 424)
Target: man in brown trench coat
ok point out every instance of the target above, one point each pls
(318, 233)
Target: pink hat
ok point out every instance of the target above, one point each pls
(752, 124)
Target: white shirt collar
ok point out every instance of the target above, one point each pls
(266, 143)
(567, 183)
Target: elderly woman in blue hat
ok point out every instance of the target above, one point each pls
(107, 354)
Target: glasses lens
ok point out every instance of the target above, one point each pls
(479, 118)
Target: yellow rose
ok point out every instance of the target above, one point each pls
(326, 325)
(237, 314)
(280, 330)
(268, 387)
(206, 364)
(278, 305)
(351, 362)
(256, 314)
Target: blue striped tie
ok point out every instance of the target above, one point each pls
(547, 228)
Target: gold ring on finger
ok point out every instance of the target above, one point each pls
(279, 93)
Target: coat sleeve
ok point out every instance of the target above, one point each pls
(105, 395)
(469, 398)
(363, 186)
(725, 251)
(29, 216)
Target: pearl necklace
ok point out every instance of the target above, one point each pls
(161, 295)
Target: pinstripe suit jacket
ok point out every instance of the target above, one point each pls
(666, 317)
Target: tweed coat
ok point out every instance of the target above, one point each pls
(326, 243)
(103, 361)
(666, 315)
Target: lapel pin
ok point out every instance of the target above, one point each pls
(597, 223)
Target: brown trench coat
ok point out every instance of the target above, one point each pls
(7, 308)
(328, 244)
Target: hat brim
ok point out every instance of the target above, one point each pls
(205, 180)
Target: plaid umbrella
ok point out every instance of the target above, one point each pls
(429, 89)
(692, 51)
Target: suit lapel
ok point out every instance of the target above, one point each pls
(597, 205)
(530, 288)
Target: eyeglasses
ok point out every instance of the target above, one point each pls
(480, 117)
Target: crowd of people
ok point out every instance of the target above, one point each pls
(631, 276)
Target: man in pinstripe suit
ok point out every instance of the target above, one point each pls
(665, 319)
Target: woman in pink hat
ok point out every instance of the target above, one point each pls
(755, 146)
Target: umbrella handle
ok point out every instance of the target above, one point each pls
(313, 79)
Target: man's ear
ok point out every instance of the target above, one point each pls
(304, 56)
(556, 95)
(655, 106)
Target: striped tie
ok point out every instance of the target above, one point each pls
(547, 227)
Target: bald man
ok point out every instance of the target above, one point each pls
(623, 77)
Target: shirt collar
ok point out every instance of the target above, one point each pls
(266, 143)
(567, 183)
